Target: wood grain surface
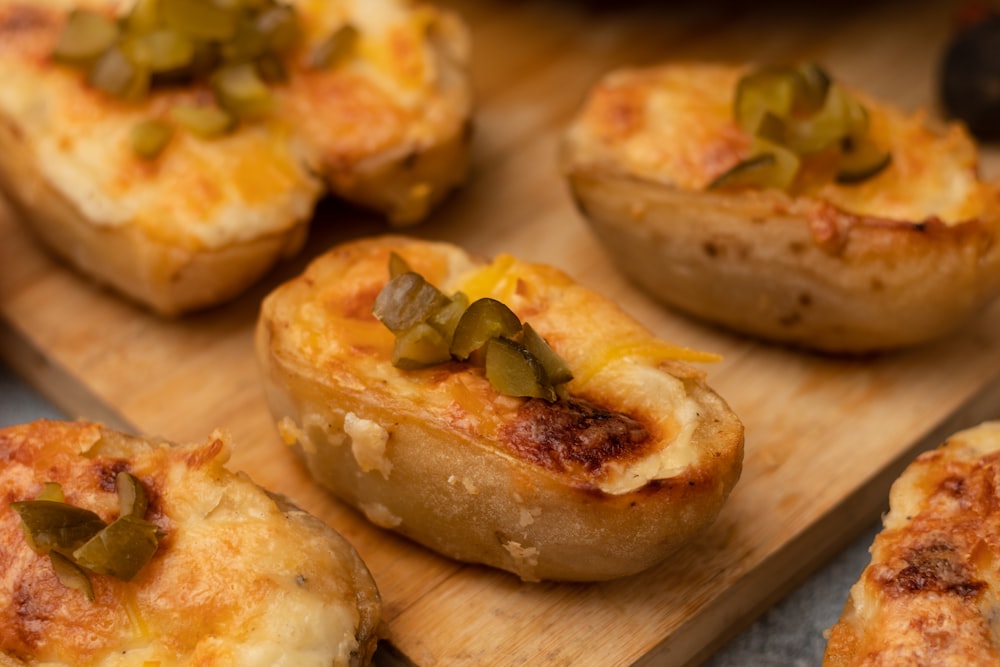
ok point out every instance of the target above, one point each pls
(825, 436)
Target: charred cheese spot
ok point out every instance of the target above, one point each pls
(29, 29)
(574, 434)
(937, 568)
(106, 472)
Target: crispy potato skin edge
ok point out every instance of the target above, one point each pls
(168, 279)
(791, 271)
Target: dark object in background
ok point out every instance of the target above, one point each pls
(970, 77)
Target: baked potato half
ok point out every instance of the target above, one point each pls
(900, 252)
(929, 594)
(234, 575)
(192, 222)
(635, 456)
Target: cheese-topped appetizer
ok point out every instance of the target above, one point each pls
(928, 597)
(495, 411)
(123, 551)
(778, 202)
(176, 149)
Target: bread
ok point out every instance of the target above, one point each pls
(634, 461)
(238, 577)
(194, 227)
(929, 595)
(909, 255)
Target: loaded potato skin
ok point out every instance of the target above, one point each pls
(928, 596)
(239, 576)
(195, 225)
(908, 255)
(635, 461)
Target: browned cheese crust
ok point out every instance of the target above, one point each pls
(929, 596)
(240, 577)
(907, 256)
(635, 463)
(206, 219)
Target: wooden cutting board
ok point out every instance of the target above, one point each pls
(825, 436)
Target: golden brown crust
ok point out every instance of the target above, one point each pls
(231, 559)
(602, 486)
(908, 256)
(391, 135)
(929, 595)
(170, 279)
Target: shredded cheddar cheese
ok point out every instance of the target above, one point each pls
(652, 350)
(497, 280)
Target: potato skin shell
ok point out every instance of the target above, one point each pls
(472, 499)
(232, 555)
(401, 163)
(907, 256)
(796, 272)
(927, 596)
(170, 280)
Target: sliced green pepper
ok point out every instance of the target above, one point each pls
(200, 19)
(420, 346)
(204, 121)
(446, 318)
(279, 25)
(132, 499)
(118, 75)
(247, 44)
(397, 265)
(54, 525)
(792, 112)
(773, 166)
(86, 35)
(514, 371)
(860, 161)
(335, 48)
(160, 50)
(431, 329)
(240, 90)
(557, 371)
(143, 17)
(150, 137)
(407, 300)
(120, 549)
(484, 319)
(78, 540)
(71, 575)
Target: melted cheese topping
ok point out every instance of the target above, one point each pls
(335, 329)
(265, 177)
(239, 579)
(674, 124)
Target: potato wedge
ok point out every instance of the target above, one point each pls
(605, 482)
(908, 255)
(386, 127)
(239, 576)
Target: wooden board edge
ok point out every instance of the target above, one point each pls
(62, 388)
(723, 619)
